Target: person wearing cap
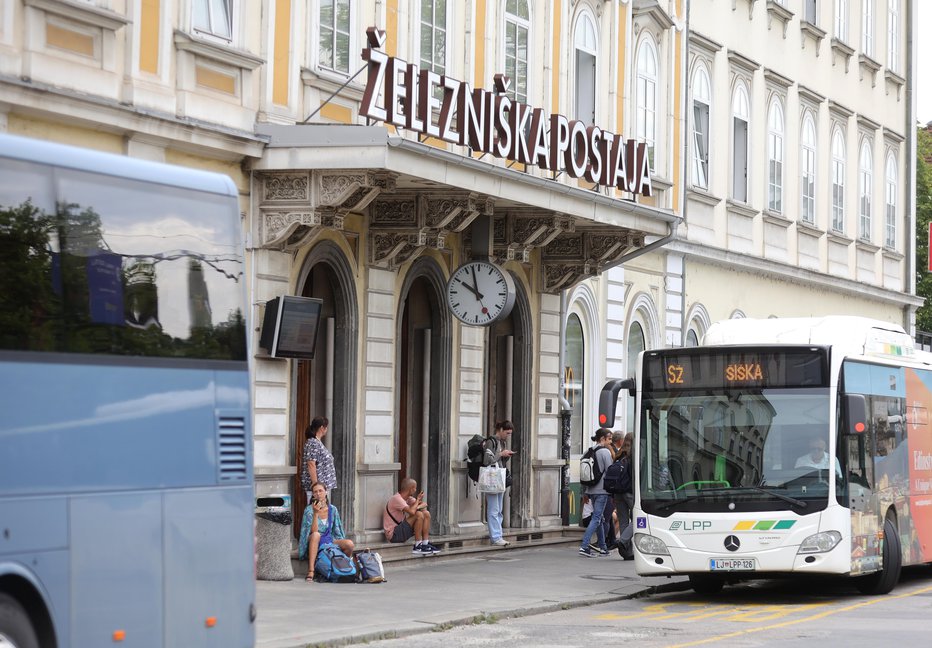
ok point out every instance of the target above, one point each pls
(599, 497)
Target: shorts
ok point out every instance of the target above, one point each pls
(402, 532)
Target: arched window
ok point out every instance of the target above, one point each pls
(865, 184)
(636, 344)
(841, 20)
(517, 37)
(586, 47)
(741, 115)
(808, 170)
(838, 181)
(890, 206)
(702, 106)
(692, 338)
(893, 35)
(574, 380)
(646, 112)
(775, 157)
(433, 36)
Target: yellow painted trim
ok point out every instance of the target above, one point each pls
(556, 67)
(282, 48)
(337, 113)
(677, 115)
(479, 77)
(149, 29)
(69, 40)
(436, 143)
(622, 68)
(63, 133)
(391, 27)
(215, 80)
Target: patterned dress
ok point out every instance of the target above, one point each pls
(316, 451)
(330, 529)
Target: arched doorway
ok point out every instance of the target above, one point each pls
(509, 394)
(326, 385)
(423, 391)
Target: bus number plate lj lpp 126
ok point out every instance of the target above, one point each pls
(732, 564)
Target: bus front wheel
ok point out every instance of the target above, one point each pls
(883, 581)
(705, 585)
(15, 626)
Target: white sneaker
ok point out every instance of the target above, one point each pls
(501, 542)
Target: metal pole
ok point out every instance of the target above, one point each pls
(328, 382)
(425, 409)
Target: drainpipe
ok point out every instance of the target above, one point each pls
(564, 415)
(909, 224)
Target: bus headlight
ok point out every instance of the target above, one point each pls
(648, 544)
(820, 542)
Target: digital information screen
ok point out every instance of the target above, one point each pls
(735, 367)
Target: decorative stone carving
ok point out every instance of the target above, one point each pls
(352, 192)
(392, 249)
(570, 258)
(281, 187)
(394, 212)
(277, 227)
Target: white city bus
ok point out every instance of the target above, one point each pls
(783, 446)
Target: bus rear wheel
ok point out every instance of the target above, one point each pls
(703, 584)
(15, 626)
(885, 580)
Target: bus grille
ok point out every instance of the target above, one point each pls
(231, 449)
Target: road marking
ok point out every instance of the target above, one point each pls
(814, 617)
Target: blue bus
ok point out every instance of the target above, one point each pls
(126, 483)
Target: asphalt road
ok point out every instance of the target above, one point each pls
(764, 613)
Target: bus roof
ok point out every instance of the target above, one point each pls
(850, 334)
(71, 157)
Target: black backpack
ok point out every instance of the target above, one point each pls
(589, 471)
(618, 477)
(475, 449)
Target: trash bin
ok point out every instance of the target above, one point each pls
(273, 538)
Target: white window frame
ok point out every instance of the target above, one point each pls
(893, 35)
(515, 91)
(811, 11)
(431, 62)
(647, 89)
(351, 38)
(865, 189)
(701, 118)
(867, 27)
(214, 10)
(740, 112)
(838, 180)
(808, 169)
(891, 185)
(776, 154)
(840, 23)
(587, 46)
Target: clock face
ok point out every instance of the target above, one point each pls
(480, 293)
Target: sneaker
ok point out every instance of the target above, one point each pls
(422, 550)
(434, 549)
(587, 552)
(501, 542)
(601, 552)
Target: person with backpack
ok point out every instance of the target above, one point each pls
(592, 471)
(496, 454)
(321, 526)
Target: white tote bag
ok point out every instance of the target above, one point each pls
(491, 479)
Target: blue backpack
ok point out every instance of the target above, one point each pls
(618, 477)
(334, 566)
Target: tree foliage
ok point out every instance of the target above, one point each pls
(923, 218)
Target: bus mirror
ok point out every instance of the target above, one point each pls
(855, 413)
(608, 399)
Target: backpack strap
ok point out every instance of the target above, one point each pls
(391, 516)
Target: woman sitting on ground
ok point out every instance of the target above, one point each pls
(321, 526)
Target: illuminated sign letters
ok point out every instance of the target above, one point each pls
(490, 122)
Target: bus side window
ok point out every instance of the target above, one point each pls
(860, 452)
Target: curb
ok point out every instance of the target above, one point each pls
(494, 617)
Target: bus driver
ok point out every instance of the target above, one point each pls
(817, 457)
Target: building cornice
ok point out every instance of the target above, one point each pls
(81, 12)
(704, 43)
(794, 274)
(810, 95)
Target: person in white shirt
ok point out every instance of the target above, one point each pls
(817, 457)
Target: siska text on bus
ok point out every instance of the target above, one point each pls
(491, 122)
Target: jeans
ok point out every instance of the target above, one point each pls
(595, 524)
(624, 504)
(494, 503)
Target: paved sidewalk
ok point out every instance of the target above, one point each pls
(421, 597)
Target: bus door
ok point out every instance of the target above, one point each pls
(857, 492)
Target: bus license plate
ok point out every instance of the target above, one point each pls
(733, 564)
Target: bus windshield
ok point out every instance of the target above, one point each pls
(748, 444)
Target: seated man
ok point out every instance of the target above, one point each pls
(406, 515)
(817, 457)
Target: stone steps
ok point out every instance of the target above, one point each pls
(459, 546)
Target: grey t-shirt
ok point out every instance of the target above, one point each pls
(604, 458)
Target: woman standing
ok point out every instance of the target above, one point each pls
(317, 465)
(321, 526)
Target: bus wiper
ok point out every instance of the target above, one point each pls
(786, 498)
(716, 491)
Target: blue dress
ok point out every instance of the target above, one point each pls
(330, 529)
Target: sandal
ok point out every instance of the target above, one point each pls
(309, 578)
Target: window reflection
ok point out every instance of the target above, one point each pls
(574, 380)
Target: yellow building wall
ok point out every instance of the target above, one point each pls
(25, 126)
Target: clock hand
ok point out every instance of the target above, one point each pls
(475, 285)
(469, 288)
